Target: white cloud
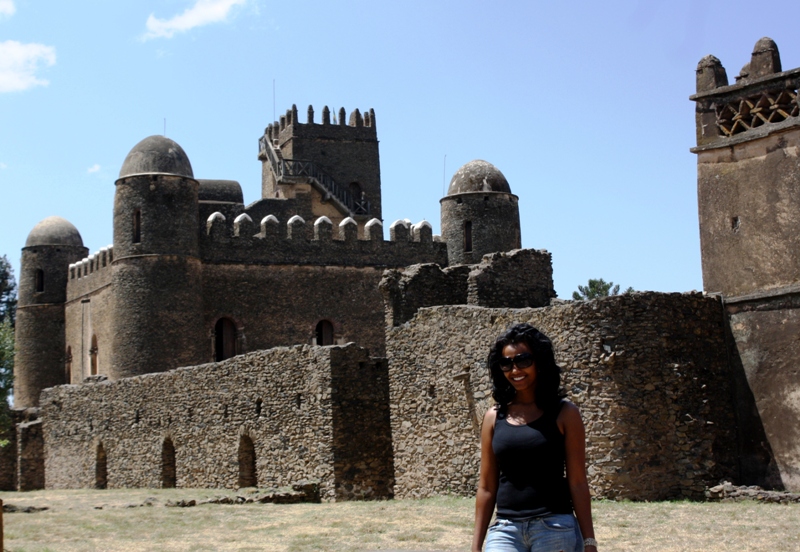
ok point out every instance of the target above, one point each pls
(7, 8)
(202, 13)
(20, 62)
(94, 168)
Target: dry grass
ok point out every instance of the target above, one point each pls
(73, 523)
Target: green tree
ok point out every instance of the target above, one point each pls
(8, 308)
(597, 288)
(8, 291)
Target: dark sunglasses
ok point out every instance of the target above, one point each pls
(522, 360)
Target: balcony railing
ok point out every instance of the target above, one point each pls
(283, 168)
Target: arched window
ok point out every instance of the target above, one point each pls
(168, 478)
(93, 356)
(68, 365)
(39, 280)
(467, 236)
(137, 226)
(359, 202)
(324, 333)
(224, 339)
(101, 468)
(247, 463)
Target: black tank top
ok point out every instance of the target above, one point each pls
(530, 459)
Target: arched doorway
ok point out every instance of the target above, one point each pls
(224, 339)
(324, 332)
(168, 477)
(247, 463)
(101, 468)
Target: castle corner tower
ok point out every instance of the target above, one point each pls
(480, 215)
(40, 354)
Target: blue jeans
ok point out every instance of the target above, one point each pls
(555, 533)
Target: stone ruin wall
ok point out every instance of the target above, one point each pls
(305, 409)
(649, 372)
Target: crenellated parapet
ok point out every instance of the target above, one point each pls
(763, 99)
(319, 242)
(91, 273)
(331, 125)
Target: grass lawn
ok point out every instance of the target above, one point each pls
(114, 520)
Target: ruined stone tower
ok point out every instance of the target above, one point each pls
(40, 358)
(335, 164)
(480, 215)
(748, 188)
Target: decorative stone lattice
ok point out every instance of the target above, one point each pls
(746, 113)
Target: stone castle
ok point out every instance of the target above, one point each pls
(222, 345)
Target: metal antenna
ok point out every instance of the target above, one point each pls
(273, 100)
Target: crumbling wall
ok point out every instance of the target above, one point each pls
(649, 372)
(282, 401)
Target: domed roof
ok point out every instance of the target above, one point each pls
(156, 154)
(228, 191)
(478, 176)
(54, 231)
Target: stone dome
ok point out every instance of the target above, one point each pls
(156, 154)
(226, 191)
(54, 231)
(478, 176)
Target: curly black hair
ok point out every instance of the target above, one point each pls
(548, 373)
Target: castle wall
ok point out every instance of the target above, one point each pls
(766, 329)
(300, 407)
(281, 304)
(649, 372)
(494, 219)
(749, 203)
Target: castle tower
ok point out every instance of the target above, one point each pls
(39, 349)
(480, 215)
(335, 161)
(748, 173)
(157, 321)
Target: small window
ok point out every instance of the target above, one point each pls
(93, 356)
(137, 226)
(68, 366)
(224, 339)
(468, 236)
(324, 333)
(39, 280)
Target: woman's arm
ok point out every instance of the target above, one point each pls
(487, 485)
(571, 424)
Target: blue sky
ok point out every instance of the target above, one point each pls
(583, 106)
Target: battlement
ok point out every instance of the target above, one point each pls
(271, 241)
(764, 99)
(358, 126)
(90, 273)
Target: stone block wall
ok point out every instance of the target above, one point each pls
(518, 278)
(649, 372)
(765, 328)
(30, 456)
(274, 408)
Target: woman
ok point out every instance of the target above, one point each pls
(528, 441)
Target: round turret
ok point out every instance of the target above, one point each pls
(220, 191)
(156, 322)
(54, 231)
(51, 247)
(478, 176)
(480, 215)
(156, 155)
